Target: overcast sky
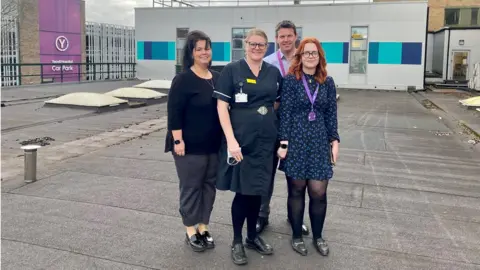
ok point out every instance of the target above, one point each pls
(113, 11)
(121, 11)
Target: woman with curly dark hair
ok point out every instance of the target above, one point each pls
(309, 140)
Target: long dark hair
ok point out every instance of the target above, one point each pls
(192, 38)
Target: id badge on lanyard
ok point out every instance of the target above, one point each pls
(241, 97)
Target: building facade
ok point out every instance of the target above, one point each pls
(368, 46)
(450, 13)
(49, 41)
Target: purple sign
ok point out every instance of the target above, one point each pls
(60, 38)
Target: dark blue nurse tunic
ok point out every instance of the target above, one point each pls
(254, 123)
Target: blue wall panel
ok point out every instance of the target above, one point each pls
(271, 48)
(345, 52)
(373, 53)
(412, 53)
(396, 53)
(147, 50)
(156, 50)
(221, 51)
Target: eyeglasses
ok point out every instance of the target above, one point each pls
(253, 45)
(313, 54)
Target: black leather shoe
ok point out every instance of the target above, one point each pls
(305, 230)
(238, 254)
(207, 240)
(195, 242)
(299, 246)
(262, 222)
(259, 245)
(321, 246)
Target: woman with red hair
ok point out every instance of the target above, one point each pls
(309, 140)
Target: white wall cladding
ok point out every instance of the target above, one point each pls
(395, 58)
(108, 43)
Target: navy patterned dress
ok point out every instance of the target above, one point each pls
(308, 155)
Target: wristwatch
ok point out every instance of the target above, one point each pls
(177, 142)
(284, 146)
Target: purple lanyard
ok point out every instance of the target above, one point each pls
(280, 62)
(311, 115)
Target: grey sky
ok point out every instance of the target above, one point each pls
(113, 11)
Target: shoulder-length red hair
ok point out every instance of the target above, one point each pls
(296, 67)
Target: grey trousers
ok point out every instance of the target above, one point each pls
(197, 175)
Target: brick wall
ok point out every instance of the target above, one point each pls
(29, 40)
(437, 10)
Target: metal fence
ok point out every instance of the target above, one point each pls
(108, 43)
(9, 51)
(68, 72)
(220, 3)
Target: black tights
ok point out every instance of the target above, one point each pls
(317, 191)
(245, 207)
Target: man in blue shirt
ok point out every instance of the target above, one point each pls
(286, 38)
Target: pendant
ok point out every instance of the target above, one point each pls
(311, 116)
(310, 80)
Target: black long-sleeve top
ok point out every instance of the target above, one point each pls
(192, 109)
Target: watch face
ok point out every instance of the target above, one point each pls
(177, 142)
(284, 146)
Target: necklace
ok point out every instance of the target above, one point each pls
(207, 80)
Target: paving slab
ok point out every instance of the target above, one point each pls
(402, 197)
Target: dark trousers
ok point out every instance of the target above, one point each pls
(197, 175)
(265, 207)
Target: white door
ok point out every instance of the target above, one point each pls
(459, 66)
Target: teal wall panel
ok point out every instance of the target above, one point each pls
(140, 47)
(221, 51)
(156, 50)
(336, 52)
(390, 53)
(395, 53)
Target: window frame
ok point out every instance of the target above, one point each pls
(351, 49)
(179, 51)
(233, 37)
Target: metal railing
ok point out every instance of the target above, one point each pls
(220, 3)
(28, 74)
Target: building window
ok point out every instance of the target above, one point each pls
(358, 49)
(181, 38)
(238, 37)
(474, 16)
(452, 16)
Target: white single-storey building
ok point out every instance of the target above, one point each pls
(452, 52)
(367, 45)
